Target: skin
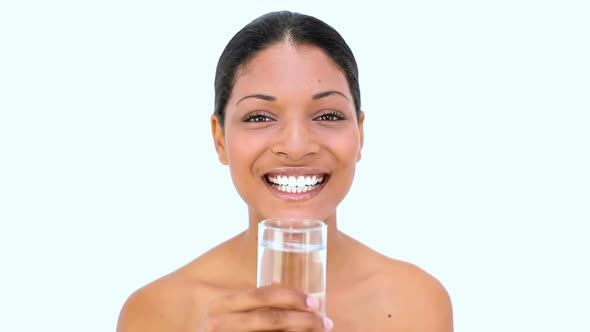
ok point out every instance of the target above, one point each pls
(300, 127)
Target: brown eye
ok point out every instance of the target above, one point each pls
(257, 117)
(330, 116)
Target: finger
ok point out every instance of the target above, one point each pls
(264, 297)
(270, 320)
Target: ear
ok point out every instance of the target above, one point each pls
(219, 139)
(361, 121)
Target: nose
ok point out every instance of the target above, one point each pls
(295, 141)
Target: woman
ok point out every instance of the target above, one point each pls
(288, 104)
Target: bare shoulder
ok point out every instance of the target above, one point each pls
(167, 304)
(402, 295)
(424, 301)
(176, 301)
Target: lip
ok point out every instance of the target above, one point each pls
(293, 171)
(296, 171)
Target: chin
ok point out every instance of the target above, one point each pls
(297, 213)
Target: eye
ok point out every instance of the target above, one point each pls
(330, 116)
(257, 117)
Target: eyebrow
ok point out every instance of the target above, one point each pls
(328, 93)
(316, 96)
(258, 96)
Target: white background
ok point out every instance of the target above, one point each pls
(475, 167)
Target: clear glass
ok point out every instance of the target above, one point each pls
(292, 252)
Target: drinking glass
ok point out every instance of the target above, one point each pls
(292, 253)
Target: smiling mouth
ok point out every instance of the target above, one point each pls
(296, 184)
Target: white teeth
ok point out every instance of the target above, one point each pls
(295, 184)
(301, 182)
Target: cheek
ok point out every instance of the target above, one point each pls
(240, 146)
(345, 147)
(243, 150)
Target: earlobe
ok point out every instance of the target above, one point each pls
(361, 121)
(218, 139)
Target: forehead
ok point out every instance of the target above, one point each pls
(287, 69)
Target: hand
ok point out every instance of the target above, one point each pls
(268, 308)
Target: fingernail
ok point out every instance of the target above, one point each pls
(328, 324)
(312, 302)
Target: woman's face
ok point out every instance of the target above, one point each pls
(291, 135)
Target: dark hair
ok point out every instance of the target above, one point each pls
(270, 29)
